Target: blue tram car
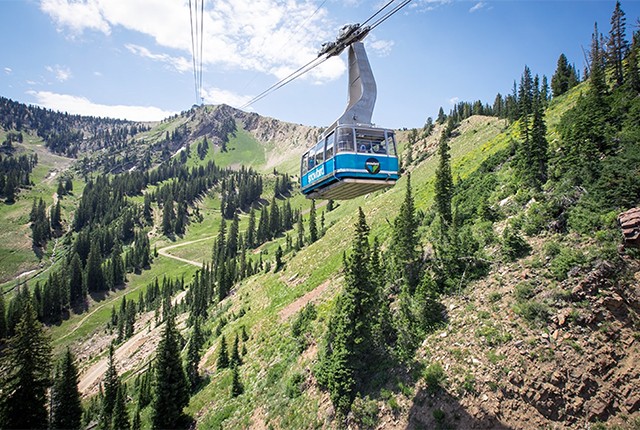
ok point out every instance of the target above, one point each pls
(349, 161)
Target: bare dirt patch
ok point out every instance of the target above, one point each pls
(298, 304)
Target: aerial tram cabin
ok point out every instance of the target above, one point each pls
(352, 157)
(349, 161)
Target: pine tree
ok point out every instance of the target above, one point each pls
(313, 229)
(220, 246)
(525, 94)
(66, 407)
(632, 78)
(236, 386)
(300, 233)
(262, 233)
(597, 73)
(250, 235)
(168, 216)
(617, 45)
(136, 424)
(193, 354)
(111, 385)
(232, 238)
(223, 356)
(279, 262)
(347, 356)
(441, 116)
(171, 389)
(235, 359)
(274, 219)
(330, 205)
(10, 189)
(181, 218)
(539, 145)
(443, 186)
(544, 91)
(564, 77)
(56, 219)
(120, 420)
(25, 369)
(405, 238)
(95, 279)
(117, 265)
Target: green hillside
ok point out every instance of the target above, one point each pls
(490, 288)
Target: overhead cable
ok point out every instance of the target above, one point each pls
(319, 60)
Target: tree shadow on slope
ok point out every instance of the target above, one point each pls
(442, 410)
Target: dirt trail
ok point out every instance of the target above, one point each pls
(130, 354)
(141, 345)
(164, 251)
(91, 378)
(301, 302)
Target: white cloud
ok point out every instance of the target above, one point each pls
(477, 6)
(60, 72)
(427, 5)
(8, 70)
(380, 47)
(454, 100)
(256, 35)
(83, 106)
(181, 64)
(218, 96)
(76, 15)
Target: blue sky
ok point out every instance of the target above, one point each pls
(132, 58)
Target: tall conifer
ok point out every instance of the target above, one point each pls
(24, 377)
(313, 229)
(443, 186)
(171, 389)
(617, 45)
(66, 407)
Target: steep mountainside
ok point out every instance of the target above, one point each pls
(490, 288)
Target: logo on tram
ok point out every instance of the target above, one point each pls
(372, 165)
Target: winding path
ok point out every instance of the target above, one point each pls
(141, 344)
(164, 251)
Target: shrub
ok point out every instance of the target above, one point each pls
(434, 376)
(536, 219)
(492, 336)
(494, 296)
(302, 325)
(365, 412)
(295, 385)
(524, 291)
(551, 248)
(534, 312)
(513, 245)
(469, 383)
(564, 261)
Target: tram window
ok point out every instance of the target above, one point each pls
(370, 141)
(312, 158)
(391, 143)
(345, 140)
(305, 161)
(319, 153)
(330, 141)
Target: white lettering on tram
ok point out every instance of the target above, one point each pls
(318, 173)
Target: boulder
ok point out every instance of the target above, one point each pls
(630, 225)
